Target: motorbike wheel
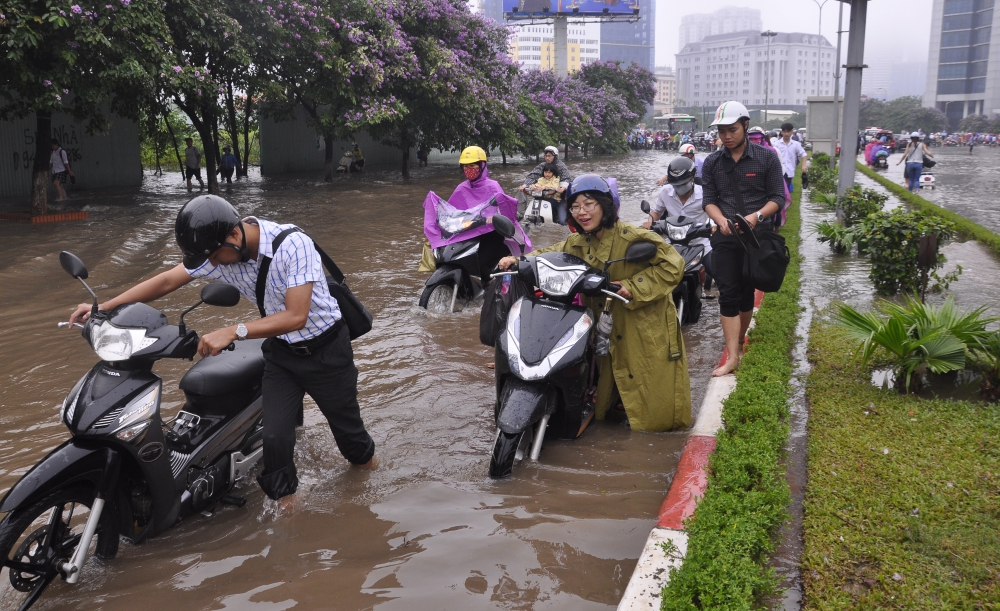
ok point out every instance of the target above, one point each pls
(694, 307)
(505, 450)
(440, 299)
(23, 539)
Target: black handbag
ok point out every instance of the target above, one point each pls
(356, 316)
(928, 162)
(766, 262)
(501, 293)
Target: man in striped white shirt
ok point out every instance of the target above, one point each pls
(308, 350)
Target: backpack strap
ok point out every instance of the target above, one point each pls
(265, 265)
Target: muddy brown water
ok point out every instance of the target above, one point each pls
(428, 529)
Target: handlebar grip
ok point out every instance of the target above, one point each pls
(230, 347)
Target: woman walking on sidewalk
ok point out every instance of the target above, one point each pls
(914, 158)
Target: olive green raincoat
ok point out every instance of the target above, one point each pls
(648, 362)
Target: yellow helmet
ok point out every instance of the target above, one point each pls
(472, 154)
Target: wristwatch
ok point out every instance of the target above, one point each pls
(760, 217)
(241, 331)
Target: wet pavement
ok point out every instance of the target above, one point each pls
(428, 529)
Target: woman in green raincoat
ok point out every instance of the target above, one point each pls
(647, 367)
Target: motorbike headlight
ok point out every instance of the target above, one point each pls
(677, 232)
(113, 343)
(557, 280)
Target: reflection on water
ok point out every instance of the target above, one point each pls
(429, 529)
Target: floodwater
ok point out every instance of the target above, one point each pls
(829, 278)
(965, 184)
(428, 529)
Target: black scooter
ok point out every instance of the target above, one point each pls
(545, 375)
(679, 231)
(123, 472)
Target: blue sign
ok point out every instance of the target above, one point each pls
(540, 8)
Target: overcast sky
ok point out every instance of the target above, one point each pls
(897, 30)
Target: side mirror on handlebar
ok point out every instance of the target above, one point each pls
(644, 206)
(504, 226)
(219, 294)
(73, 265)
(640, 251)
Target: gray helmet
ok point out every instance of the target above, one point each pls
(680, 174)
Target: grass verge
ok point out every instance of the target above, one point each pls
(732, 533)
(966, 228)
(902, 510)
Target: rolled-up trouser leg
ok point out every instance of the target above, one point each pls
(735, 292)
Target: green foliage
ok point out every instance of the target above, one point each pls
(964, 226)
(901, 508)
(903, 114)
(821, 177)
(893, 240)
(858, 203)
(732, 531)
(987, 360)
(916, 336)
(841, 238)
(979, 124)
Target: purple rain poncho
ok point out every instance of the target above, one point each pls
(471, 203)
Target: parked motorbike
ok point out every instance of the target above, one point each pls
(679, 231)
(456, 279)
(123, 472)
(545, 374)
(344, 165)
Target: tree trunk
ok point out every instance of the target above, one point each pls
(233, 126)
(406, 162)
(503, 157)
(566, 152)
(211, 153)
(215, 139)
(246, 134)
(40, 170)
(177, 151)
(328, 158)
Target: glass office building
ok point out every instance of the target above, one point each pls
(631, 42)
(963, 66)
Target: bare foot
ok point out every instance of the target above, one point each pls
(728, 367)
(286, 505)
(371, 465)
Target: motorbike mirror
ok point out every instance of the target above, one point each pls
(644, 206)
(640, 251)
(503, 225)
(220, 294)
(73, 265)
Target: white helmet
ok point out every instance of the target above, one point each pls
(729, 113)
(687, 148)
(553, 150)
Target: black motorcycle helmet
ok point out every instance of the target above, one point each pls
(598, 188)
(681, 173)
(202, 227)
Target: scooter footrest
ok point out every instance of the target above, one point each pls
(235, 501)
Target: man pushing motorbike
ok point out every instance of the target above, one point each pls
(308, 348)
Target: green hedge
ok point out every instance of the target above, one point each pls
(732, 533)
(965, 227)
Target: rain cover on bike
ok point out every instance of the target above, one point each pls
(445, 223)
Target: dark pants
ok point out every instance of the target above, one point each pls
(227, 173)
(491, 249)
(331, 379)
(735, 292)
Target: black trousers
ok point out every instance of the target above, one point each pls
(735, 292)
(331, 379)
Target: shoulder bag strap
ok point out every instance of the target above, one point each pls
(265, 266)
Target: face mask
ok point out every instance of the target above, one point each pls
(472, 173)
(684, 189)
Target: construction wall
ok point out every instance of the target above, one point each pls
(107, 159)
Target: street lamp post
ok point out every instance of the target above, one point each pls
(836, 87)
(819, 44)
(768, 34)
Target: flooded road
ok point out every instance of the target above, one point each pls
(428, 529)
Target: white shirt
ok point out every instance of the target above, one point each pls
(789, 154)
(669, 204)
(296, 263)
(58, 159)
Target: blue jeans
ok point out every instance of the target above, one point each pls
(913, 170)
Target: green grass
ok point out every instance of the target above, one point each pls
(733, 531)
(902, 509)
(966, 228)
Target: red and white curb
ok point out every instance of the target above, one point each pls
(686, 490)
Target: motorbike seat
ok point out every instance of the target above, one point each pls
(228, 372)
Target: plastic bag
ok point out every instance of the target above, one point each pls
(501, 293)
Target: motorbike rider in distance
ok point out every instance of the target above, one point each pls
(565, 178)
(687, 150)
(308, 348)
(647, 367)
(683, 197)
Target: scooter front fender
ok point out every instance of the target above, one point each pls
(445, 273)
(522, 404)
(72, 462)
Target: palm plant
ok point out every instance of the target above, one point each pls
(925, 319)
(988, 358)
(915, 338)
(841, 238)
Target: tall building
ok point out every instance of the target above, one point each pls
(696, 27)
(908, 78)
(963, 69)
(666, 89)
(736, 66)
(631, 42)
(532, 45)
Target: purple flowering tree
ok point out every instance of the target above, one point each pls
(332, 60)
(76, 56)
(460, 80)
(559, 101)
